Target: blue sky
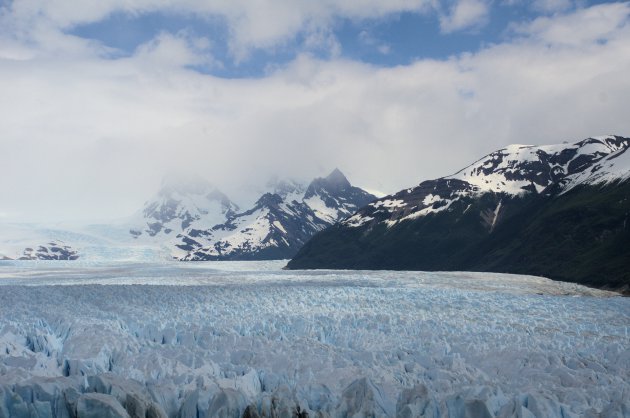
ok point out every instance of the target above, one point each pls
(392, 39)
(101, 98)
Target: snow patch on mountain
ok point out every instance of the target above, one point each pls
(283, 220)
(517, 168)
(183, 207)
(613, 168)
(321, 210)
(512, 171)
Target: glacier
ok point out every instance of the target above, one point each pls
(248, 339)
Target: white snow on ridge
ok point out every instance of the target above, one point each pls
(424, 211)
(496, 180)
(431, 199)
(357, 220)
(513, 156)
(513, 170)
(615, 167)
(228, 335)
(389, 203)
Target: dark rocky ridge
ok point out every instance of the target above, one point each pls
(561, 212)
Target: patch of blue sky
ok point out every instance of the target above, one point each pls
(397, 39)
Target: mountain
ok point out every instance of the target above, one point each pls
(184, 207)
(54, 250)
(190, 219)
(560, 211)
(194, 221)
(281, 221)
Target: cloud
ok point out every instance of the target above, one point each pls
(324, 40)
(368, 39)
(465, 14)
(85, 135)
(177, 50)
(583, 27)
(259, 24)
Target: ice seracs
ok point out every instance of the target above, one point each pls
(184, 340)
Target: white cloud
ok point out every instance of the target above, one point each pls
(465, 14)
(175, 50)
(86, 136)
(584, 26)
(324, 40)
(370, 40)
(258, 24)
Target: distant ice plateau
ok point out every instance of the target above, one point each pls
(247, 339)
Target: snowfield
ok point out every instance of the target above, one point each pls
(233, 339)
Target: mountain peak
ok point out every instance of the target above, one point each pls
(336, 178)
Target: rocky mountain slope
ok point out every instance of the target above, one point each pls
(198, 222)
(183, 209)
(560, 211)
(54, 250)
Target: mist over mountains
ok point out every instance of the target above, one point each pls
(559, 211)
(190, 219)
(202, 223)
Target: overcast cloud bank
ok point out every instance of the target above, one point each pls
(87, 132)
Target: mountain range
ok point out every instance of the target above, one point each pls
(198, 222)
(561, 211)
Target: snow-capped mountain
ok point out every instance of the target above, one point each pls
(195, 221)
(521, 197)
(281, 221)
(37, 242)
(185, 204)
(519, 168)
(512, 171)
(183, 208)
(190, 219)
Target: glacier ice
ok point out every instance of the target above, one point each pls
(251, 340)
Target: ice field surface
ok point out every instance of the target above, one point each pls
(249, 339)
